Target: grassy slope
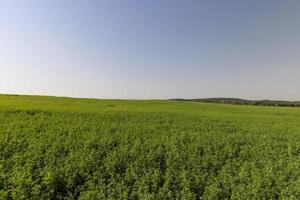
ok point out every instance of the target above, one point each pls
(120, 149)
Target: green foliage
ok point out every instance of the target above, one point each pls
(246, 102)
(63, 148)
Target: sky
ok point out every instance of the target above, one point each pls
(158, 49)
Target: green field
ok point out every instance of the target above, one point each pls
(64, 148)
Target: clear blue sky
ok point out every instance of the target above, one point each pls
(151, 49)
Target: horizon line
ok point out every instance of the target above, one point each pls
(139, 99)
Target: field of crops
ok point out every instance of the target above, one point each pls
(64, 148)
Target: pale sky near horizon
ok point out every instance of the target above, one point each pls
(151, 49)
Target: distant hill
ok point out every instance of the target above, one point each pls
(246, 102)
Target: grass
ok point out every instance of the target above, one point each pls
(65, 148)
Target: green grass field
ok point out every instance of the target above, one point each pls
(64, 148)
